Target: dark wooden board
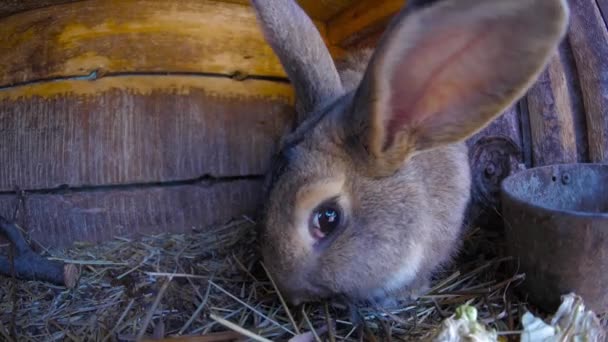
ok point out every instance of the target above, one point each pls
(61, 219)
(8, 7)
(588, 36)
(556, 115)
(125, 130)
(133, 36)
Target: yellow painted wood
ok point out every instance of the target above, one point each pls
(115, 36)
(361, 17)
(145, 85)
(324, 10)
(319, 10)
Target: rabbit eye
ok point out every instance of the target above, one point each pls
(325, 219)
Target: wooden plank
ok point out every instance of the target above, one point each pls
(324, 10)
(138, 129)
(551, 115)
(334, 50)
(364, 17)
(589, 39)
(58, 220)
(8, 7)
(133, 36)
(526, 134)
(318, 10)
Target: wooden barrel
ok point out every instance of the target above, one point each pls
(122, 117)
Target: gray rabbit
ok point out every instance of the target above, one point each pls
(367, 196)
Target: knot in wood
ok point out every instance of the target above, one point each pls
(493, 158)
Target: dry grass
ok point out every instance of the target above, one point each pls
(208, 283)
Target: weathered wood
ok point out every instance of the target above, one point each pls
(8, 7)
(61, 219)
(318, 10)
(364, 17)
(526, 134)
(138, 129)
(211, 56)
(552, 115)
(576, 101)
(494, 153)
(107, 36)
(589, 39)
(324, 10)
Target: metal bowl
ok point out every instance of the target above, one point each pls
(556, 224)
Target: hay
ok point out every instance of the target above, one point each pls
(212, 283)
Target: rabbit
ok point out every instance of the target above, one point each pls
(365, 199)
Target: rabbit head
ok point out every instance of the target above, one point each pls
(367, 195)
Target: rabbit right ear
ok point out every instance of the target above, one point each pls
(301, 50)
(445, 71)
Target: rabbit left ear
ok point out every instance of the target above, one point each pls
(445, 71)
(302, 52)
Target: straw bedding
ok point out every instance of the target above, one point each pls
(209, 283)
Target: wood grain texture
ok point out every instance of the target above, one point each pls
(138, 129)
(589, 39)
(133, 36)
(320, 10)
(59, 220)
(362, 18)
(505, 125)
(8, 7)
(495, 153)
(208, 58)
(552, 114)
(324, 10)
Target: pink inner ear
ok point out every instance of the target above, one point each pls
(443, 70)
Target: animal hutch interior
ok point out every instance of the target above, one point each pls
(137, 138)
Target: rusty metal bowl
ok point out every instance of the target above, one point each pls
(556, 224)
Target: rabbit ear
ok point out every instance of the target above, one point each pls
(301, 50)
(444, 71)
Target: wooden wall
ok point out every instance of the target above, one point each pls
(121, 117)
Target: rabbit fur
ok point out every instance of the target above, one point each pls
(381, 141)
